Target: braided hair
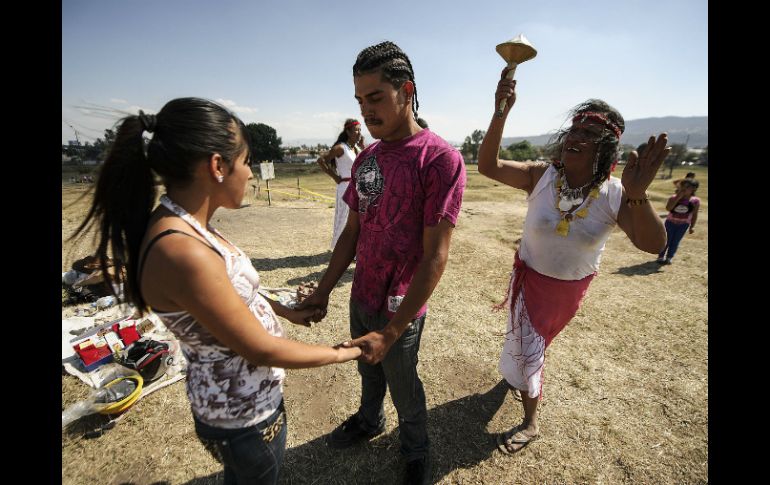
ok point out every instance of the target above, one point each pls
(607, 145)
(392, 62)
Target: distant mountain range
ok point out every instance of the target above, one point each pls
(638, 131)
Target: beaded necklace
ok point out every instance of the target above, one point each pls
(566, 198)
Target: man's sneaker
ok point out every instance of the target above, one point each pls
(351, 432)
(418, 472)
(660, 261)
(668, 261)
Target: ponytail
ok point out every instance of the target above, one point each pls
(123, 200)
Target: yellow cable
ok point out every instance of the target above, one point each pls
(303, 189)
(320, 195)
(296, 195)
(128, 401)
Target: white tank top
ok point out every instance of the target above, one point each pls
(345, 162)
(578, 254)
(224, 389)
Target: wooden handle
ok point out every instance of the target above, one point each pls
(509, 75)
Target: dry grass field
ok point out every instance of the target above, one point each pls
(625, 392)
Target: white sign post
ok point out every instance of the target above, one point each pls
(267, 172)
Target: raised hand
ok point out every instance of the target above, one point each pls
(506, 89)
(642, 167)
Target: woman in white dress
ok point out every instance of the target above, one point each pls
(336, 163)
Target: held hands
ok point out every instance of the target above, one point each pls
(506, 89)
(317, 304)
(642, 167)
(374, 346)
(303, 317)
(346, 352)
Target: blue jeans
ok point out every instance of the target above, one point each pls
(674, 234)
(249, 455)
(399, 372)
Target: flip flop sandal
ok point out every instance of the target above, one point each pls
(513, 437)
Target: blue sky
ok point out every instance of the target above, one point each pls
(287, 63)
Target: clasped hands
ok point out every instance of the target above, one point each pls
(374, 345)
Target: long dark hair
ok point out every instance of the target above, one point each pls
(186, 131)
(392, 62)
(608, 143)
(343, 137)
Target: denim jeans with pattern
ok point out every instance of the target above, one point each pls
(249, 455)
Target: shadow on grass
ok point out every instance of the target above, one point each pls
(457, 431)
(643, 269)
(266, 264)
(164, 482)
(346, 277)
(90, 426)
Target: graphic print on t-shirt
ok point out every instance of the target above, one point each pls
(683, 208)
(369, 183)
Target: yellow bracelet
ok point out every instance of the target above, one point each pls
(631, 202)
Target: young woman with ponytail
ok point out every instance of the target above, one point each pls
(203, 288)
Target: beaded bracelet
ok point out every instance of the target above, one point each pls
(631, 202)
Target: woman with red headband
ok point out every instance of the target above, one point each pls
(573, 205)
(336, 163)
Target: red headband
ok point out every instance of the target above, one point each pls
(600, 118)
(351, 123)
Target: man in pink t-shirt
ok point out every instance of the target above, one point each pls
(405, 196)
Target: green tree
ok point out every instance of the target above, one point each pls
(626, 151)
(470, 147)
(522, 150)
(476, 137)
(674, 159)
(109, 139)
(265, 142)
(466, 148)
(92, 152)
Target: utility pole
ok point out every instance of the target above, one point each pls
(78, 148)
(77, 139)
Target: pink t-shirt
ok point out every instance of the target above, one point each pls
(398, 188)
(682, 211)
